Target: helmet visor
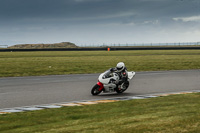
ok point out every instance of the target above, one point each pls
(119, 68)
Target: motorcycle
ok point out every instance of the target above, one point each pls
(110, 82)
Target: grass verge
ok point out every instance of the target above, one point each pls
(176, 113)
(78, 62)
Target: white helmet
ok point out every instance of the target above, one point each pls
(120, 66)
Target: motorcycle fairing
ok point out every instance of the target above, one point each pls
(101, 85)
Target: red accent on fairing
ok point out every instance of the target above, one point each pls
(101, 85)
(124, 73)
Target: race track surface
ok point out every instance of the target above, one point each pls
(37, 90)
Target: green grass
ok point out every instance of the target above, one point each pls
(78, 62)
(171, 114)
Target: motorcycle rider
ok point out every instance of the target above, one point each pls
(121, 70)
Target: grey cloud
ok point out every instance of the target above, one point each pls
(70, 9)
(41, 18)
(188, 19)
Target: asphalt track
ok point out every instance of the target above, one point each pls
(37, 90)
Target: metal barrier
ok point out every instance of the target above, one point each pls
(104, 49)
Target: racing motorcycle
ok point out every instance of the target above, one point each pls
(110, 82)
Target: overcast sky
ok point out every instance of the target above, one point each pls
(99, 21)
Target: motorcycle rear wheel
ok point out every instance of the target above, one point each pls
(95, 90)
(126, 85)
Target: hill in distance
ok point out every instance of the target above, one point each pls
(41, 46)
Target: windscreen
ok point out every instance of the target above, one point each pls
(107, 74)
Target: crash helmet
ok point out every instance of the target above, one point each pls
(120, 66)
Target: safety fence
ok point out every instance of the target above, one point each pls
(141, 44)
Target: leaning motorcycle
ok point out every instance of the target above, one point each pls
(110, 82)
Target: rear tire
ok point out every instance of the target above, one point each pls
(126, 85)
(95, 90)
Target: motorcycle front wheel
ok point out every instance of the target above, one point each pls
(95, 90)
(125, 87)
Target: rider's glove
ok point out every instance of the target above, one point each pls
(112, 69)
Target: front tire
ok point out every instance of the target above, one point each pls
(95, 90)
